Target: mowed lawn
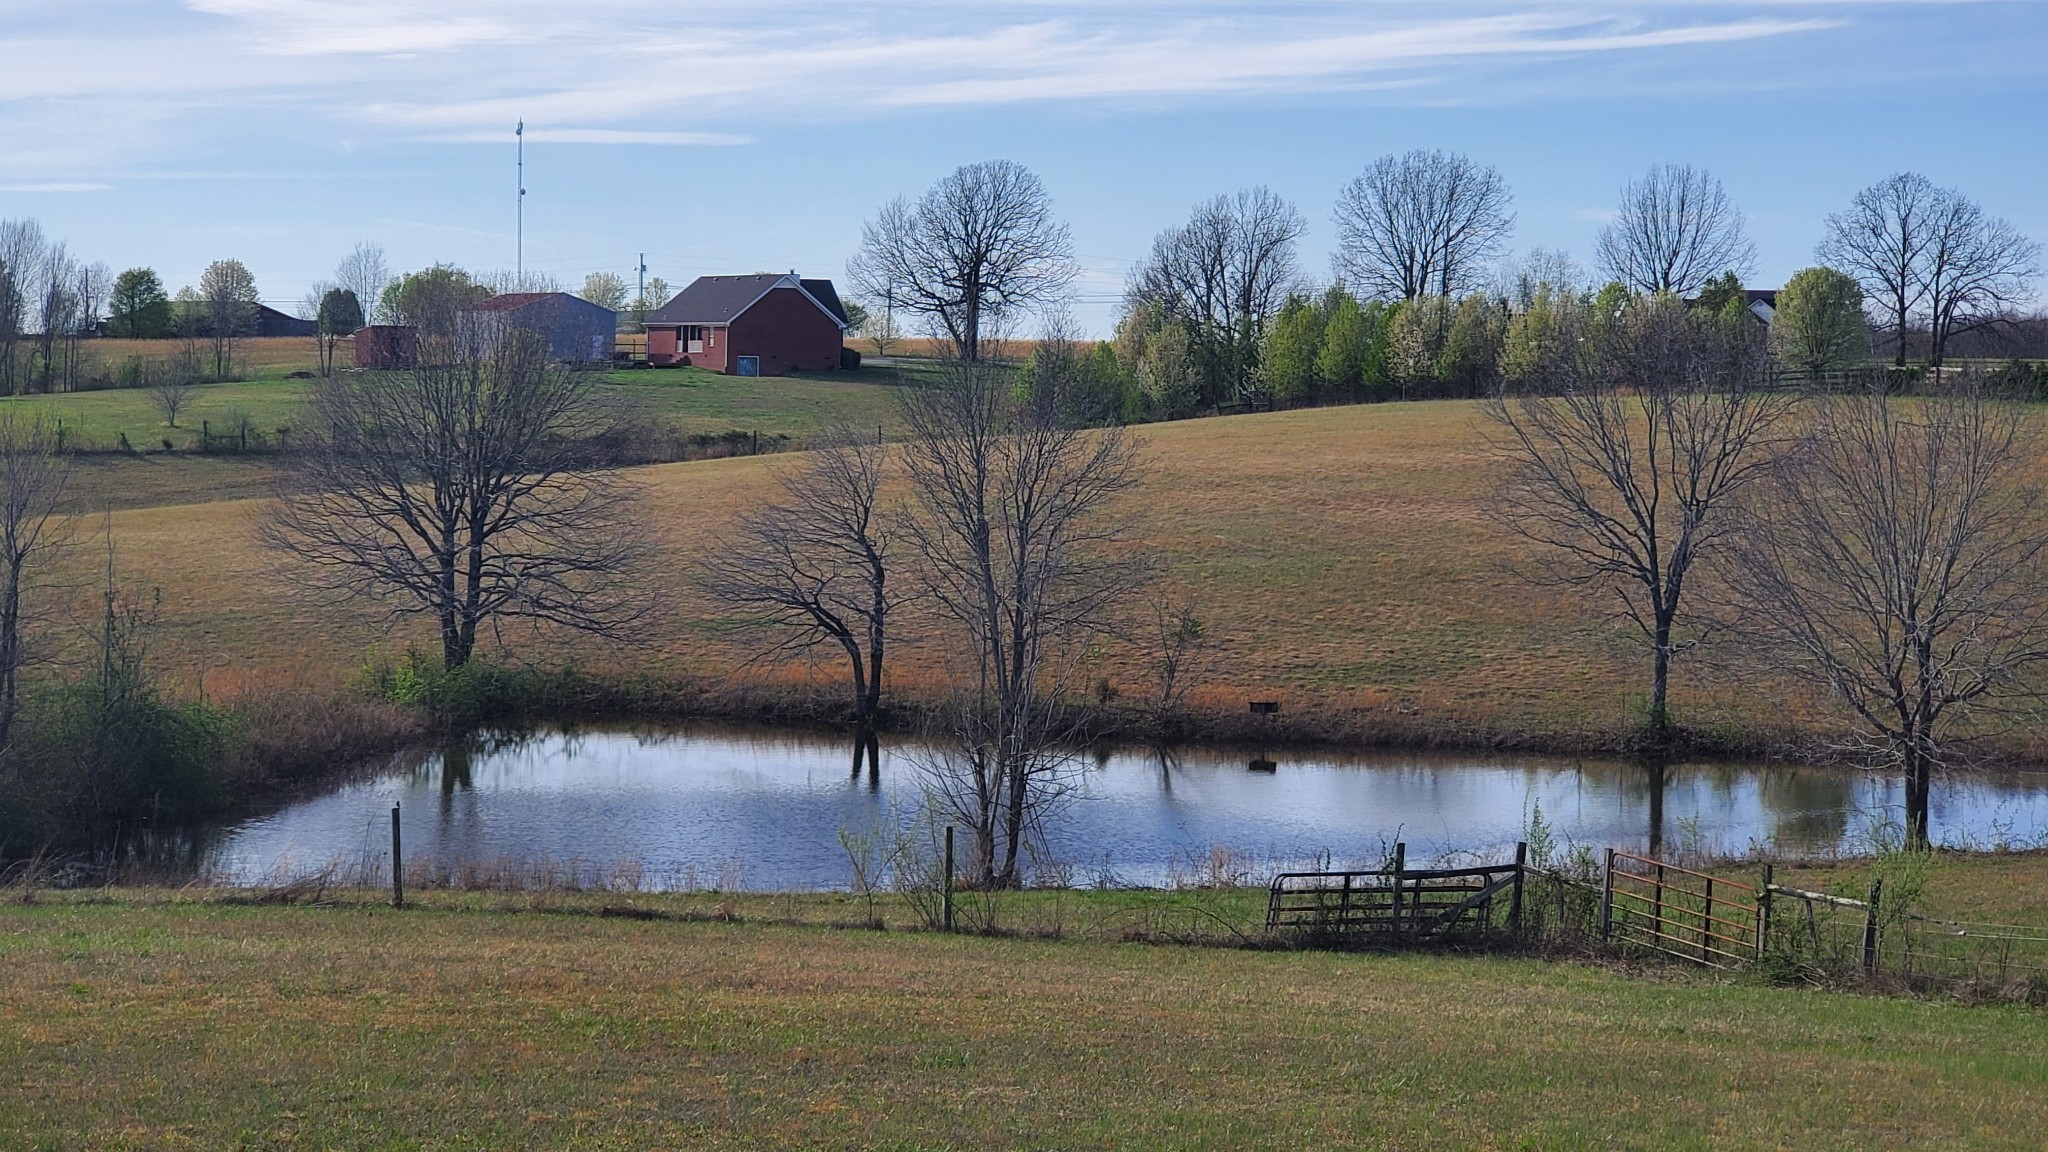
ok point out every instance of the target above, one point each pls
(1341, 560)
(691, 399)
(202, 1025)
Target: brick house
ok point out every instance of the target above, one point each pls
(759, 325)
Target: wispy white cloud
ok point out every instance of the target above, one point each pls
(715, 72)
(57, 186)
(603, 136)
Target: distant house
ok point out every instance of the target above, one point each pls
(575, 330)
(759, 325)
(1762, 303)
(271, 322)
(386, 346)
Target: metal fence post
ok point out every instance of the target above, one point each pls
(397, 862)
(1870, 926)
(1607, 899)
(1400, 866)
(948, 906)
(1521, 875)
(1707, 921)
(1657, 905)
(1763, 913)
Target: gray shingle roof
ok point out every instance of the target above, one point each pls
(823, 292)
(718, 299)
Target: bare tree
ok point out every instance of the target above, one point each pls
(1021, 551)
(170, 392)
(1419, 224)
(1623, 463)
(815, 564)
(364, 272)
(978, 248)
(21, 260)
(880, 327)
(1183, 644)
(468, 492)
(1895, 560)
(56, 308)
(1930, 256)
(1539, 272)
(1977, 270)
(32, 485)
(1224, 274)
(1674, 230)
(1881, 239)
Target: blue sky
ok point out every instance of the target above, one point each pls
(724, 137)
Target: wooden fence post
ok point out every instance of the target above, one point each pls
(1521, 874)
(947, 914)
(1607, 899)
(397, 862)
(1763, 913)
(1870, 926)
(1400, 866)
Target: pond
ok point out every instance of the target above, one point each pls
(765, 810)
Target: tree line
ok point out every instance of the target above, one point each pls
(1422, 301)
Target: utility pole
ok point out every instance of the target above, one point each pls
(642, 297)
(520, 267)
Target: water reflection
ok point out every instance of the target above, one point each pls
(769, 806)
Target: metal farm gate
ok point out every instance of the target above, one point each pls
(1688, 915)
(1398, 902)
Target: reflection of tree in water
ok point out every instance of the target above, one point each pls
(458, 762)
(1656, 773)
(867, 750)
(1806, 808)
(1169, 763)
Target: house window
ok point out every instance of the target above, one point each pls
(694, 334)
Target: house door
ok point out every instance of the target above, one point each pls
(747, 366)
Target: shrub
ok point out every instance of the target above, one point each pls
(849, 359)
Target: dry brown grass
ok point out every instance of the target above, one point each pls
(255, 356)
(1340, 557)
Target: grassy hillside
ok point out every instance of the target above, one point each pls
(700, 401)
(1341, 558)
(210, 1026)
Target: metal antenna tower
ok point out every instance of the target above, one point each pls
(520, 270)
(643, 278)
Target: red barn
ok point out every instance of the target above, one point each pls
(759, 325)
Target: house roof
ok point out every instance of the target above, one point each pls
(512, 301)
(823, 292)
(721, 299)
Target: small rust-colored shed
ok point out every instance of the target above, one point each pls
(387, 346)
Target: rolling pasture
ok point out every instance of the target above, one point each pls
(1341, 559)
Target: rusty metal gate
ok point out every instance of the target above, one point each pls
(1688, 915)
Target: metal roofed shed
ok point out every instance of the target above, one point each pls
(575, 330)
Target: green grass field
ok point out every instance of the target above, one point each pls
(793, 406)
(204, 1025)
